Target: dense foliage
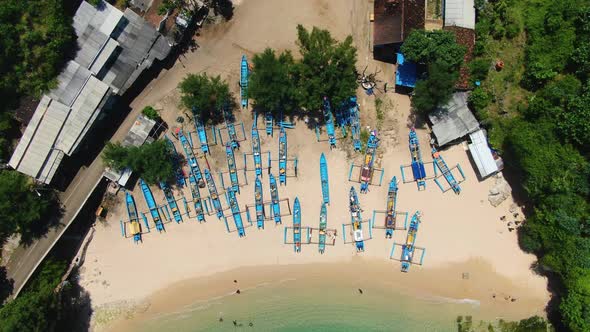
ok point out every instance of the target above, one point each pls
(21, 209)
(327, 68)
(532, 324)
(150, 113)
(271, 83)
(206, 96)
(440, 52)
(153, 161)
(546, 137)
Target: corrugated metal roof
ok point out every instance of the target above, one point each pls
(460, 13)
(482, 155)
(454, 120)
(84, 109)
(104, 56)
(71, 81)
(139, 132)
(35, 149)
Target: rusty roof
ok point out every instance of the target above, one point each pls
(395, 19)
(465, 37)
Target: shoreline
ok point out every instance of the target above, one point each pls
(474, 295)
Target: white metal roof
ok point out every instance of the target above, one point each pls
(482, 155)
(453, 120)
(460, 13)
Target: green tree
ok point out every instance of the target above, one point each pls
(438, 46)
(327, 68)
(152, 161)
(150, 113)
(271, 82)
(436, 90)
(206, 96)
(21, 209)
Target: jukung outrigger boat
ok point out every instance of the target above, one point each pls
(329, 118)
(196, 195)
(283, 156)
(356, 220)
(409, 248)
(417, 164)
(323, 229)
(235, 210)
(297, 225)
(133, 218)
(171, 201)
(355, 124)
(256, 150)
(201, 133)
(447, 173)
(244, 71)
(368, 167)
(231, 165)
(180, 181)
(213, 195)
(259, 202)
(275, 201)
(151, 203)
(192, 160)
(324, 179)
(391, 214)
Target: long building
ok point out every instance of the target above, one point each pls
(114, 48)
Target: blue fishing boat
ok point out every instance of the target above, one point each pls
(323, 229)
(151, 203)
(324, 179)
(297, 225)
(408, 248)
(268, 120)
(329, 118)
(134, 224)
(201, 133)
(244, 81)
(367, 169)
(259, 200)
(196, 196)
(356, 220)
(213, 193)
(171, 201)
(355, 124)
(283, 156)
(192, 160)
(417, 163)
(276, 203)
(231, 166)
(180, 181)
(390, 213)
(233, 135)
(446, 172)
(235, 210)
(256, 150)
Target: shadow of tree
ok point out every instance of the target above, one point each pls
(6, 285)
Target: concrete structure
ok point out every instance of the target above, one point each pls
(460, 13)
(137, 135)
(454, 120)
(114, 48)
(485, 161)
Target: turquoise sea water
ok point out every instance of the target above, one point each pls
(296, 306)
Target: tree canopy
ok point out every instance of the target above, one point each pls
(436, 89)
(152, 161)
(327, 68)
(271, 83)
(439, 46)
(206, 96)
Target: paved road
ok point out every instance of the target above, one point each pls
(25, 260)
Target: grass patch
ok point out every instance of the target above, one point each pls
(380, 112)
(364, 138)
(434, 9)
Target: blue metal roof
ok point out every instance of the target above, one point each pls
(406, 74)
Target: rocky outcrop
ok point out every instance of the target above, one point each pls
(500, 191)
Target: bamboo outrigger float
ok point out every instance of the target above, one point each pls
(180, 181)
(244, 72)
(283, 157)
(447, 173)
(192, 160)
(235, 210)
(276, 204)
(391, 215)
(409, 248)
(213, 195)
(152, 206)
(324, 179)
(171, 201)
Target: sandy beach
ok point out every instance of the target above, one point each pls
(469, 251)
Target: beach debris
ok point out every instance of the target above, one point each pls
(235, 281)
(465, 276)
(513, 208)
(251, 324)
(360, 291)
(503, 218)
(499, 192)
(513, 300)
(221, 319)
(238, 291)
(235, 323)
